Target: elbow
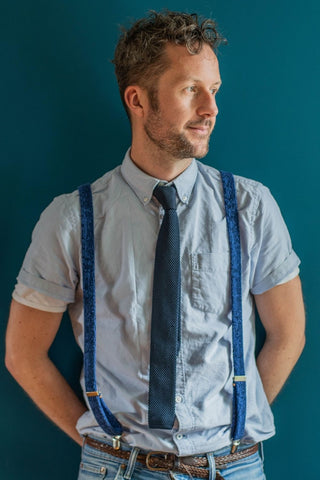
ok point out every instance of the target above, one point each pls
(302, 343)
(12, 360)
(22, 361)
(297, 346)
(298, 339)
(292, 343)
(16, 360)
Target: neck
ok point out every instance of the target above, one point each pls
(157, 162)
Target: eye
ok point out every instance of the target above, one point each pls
(214, 91)
(191, 89)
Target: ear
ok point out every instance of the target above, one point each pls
(135, 98)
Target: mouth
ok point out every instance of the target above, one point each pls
(200, 130)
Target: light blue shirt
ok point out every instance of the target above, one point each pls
(127, 221)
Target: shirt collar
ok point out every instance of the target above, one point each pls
(143, 184)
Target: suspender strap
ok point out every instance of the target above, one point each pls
(239, 379)
(104, 417)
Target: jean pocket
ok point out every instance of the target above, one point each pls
(210, 280)
(249, 467)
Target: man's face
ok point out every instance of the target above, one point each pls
(182, 124)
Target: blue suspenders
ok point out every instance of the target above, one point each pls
(104, 417)
(239, 379)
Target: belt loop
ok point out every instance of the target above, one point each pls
(131, 463)
(261, 451)
(212, 466)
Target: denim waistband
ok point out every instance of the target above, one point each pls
(221, 451)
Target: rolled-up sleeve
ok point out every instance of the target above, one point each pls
(51, 262)
(272, 256)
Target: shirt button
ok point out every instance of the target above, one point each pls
(145, 199)
(184, 198)
(178, 399)
(103, 470)
(179, 436)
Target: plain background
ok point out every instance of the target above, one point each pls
(62, 124)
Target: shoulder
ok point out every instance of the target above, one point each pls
(64, 210)
(250, 193)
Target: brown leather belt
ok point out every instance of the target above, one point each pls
(161, 461)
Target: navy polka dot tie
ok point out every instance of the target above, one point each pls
(165, 314)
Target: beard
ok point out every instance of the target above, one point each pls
(167, 138)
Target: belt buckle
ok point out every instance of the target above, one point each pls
(160, 456)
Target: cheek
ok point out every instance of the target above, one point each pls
(176, 108)
(179, 115)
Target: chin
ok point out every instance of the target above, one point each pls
(200, 152)
(201, 155)
(199, 147)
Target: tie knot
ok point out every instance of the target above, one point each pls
(166, 196)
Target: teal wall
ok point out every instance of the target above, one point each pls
(62, 123)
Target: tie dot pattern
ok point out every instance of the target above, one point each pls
(165, 323)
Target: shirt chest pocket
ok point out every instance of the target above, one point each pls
(210, 281)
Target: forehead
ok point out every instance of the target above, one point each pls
(183, 65)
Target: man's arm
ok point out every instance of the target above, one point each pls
(281, 311)
(30, 334)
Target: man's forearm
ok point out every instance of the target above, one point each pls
(276, 361)
(281, 311)
(51, 393)
(30, 334)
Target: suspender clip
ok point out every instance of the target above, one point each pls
(94, 394)
(235, 445)
(116, 442)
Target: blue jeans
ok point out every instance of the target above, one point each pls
(97, 465)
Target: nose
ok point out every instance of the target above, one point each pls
(207, 106)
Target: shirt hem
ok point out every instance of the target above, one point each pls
(276, 277)
(46, 287)
(43, 308)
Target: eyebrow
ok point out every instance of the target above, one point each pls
(197, 80)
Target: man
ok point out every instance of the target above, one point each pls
(168, 77)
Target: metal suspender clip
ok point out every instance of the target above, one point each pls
(116, 442)
(235, 445)
(94, 394)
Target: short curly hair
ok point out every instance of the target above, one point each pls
(139, 55)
